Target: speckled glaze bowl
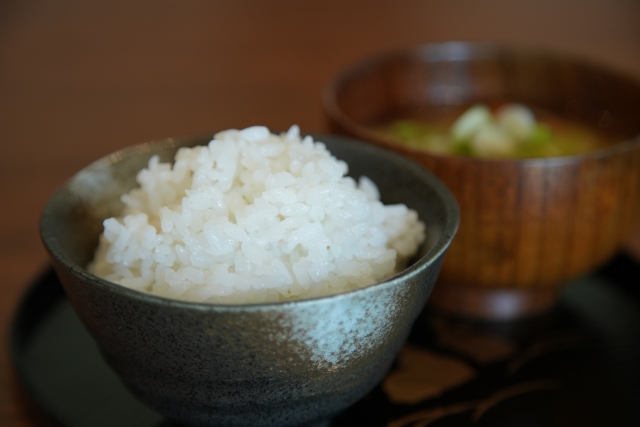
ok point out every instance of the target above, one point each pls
(279, 364)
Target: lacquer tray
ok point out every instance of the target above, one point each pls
(579, 365)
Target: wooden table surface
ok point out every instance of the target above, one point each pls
(79, 79)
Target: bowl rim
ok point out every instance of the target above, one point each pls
(460, 50)
(451, 223)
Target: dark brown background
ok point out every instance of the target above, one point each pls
(79, 79)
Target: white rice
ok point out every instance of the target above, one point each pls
(254, 217)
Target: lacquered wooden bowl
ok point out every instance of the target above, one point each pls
(527, 226)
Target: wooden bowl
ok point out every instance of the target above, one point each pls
(527, 226)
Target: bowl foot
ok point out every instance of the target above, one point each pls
(492, 304)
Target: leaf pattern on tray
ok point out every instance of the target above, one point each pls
(543, 347)
(422, 374)
(476, 408)
(471, 341)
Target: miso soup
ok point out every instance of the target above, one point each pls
(508, 131)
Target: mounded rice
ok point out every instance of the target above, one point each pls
(254, 217)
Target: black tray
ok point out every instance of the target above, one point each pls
(576, 366)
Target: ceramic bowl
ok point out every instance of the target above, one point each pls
(281, 364)
(527, 226)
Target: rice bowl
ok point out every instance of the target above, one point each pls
(279, 364)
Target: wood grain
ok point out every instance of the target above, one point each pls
(529, 224)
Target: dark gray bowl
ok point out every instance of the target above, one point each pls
(281, 364)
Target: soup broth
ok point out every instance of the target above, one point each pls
(445, 131)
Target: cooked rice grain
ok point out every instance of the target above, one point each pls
(254, 217)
